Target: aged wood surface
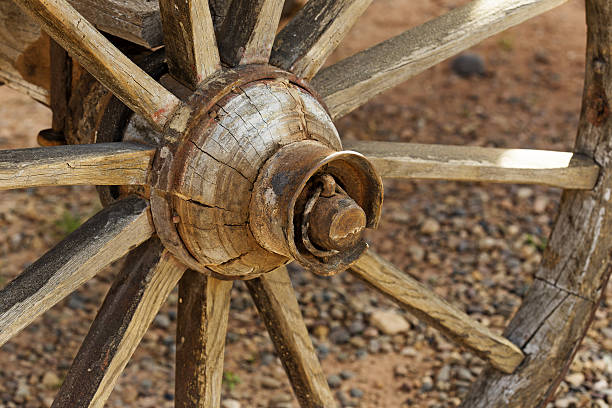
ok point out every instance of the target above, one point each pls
(571, 280)
(24, 53)
(485, 164)
(103, 60)
(305, 43)
(203, 312)
(148, 276)
(190, 42)
(94, 164)
(432, 309)
(137, 21)
(277, 305)
(251, 125)
(355, 80)
(248, 31)
(104, 238)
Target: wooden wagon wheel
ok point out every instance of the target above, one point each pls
(248, 173)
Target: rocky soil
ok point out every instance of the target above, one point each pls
(477, 245)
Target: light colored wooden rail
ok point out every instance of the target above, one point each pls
(104, 238)
(484, 164)
(103, 60)
(95, 164)
(355, 80)
(432, 309)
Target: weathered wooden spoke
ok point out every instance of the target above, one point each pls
(189, 36)
(103, 60)
(571, 281)
(485, 164)
(72, 262)
(278, 307)
(149, 275)
(355, 80)
(96, 164)
(203, 311)
(305, 43)
(429, 307)
(248, 30)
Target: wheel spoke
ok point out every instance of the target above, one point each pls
(429, 307)
(190, 40)
(278, 307)
(149, 275)
(95, 164)
(484, 164)
(305, 43)
(103, 60)
(203, 311)
(354, 81)
(247, 33)
(76, 259)
(571, 281)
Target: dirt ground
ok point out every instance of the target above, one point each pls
(477, 245)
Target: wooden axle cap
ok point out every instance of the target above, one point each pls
(219, 143)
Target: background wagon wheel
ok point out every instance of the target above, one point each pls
(220, 169)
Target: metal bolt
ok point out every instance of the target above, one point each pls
(336, 222)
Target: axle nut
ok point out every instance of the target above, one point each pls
(336, 222)
(312, 203)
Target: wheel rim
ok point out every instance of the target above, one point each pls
(253, 44)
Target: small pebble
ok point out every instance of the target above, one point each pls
(270, 383)
(356, 393)
(468, 65)
(334, 381)
(230, 403)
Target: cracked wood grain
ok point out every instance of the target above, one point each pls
(148, 276)
(248, 31)
(433, 310)
(570, 283)
(203, 311)
(484, 164)
(103, 60)
(250, 124)
(277, 305)
(355, 80)
(189, 37)
(305, 43)
(104, 238)
(95, 164)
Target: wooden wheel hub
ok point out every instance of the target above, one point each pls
(239, 191)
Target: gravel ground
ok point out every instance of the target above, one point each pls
(477, 245)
